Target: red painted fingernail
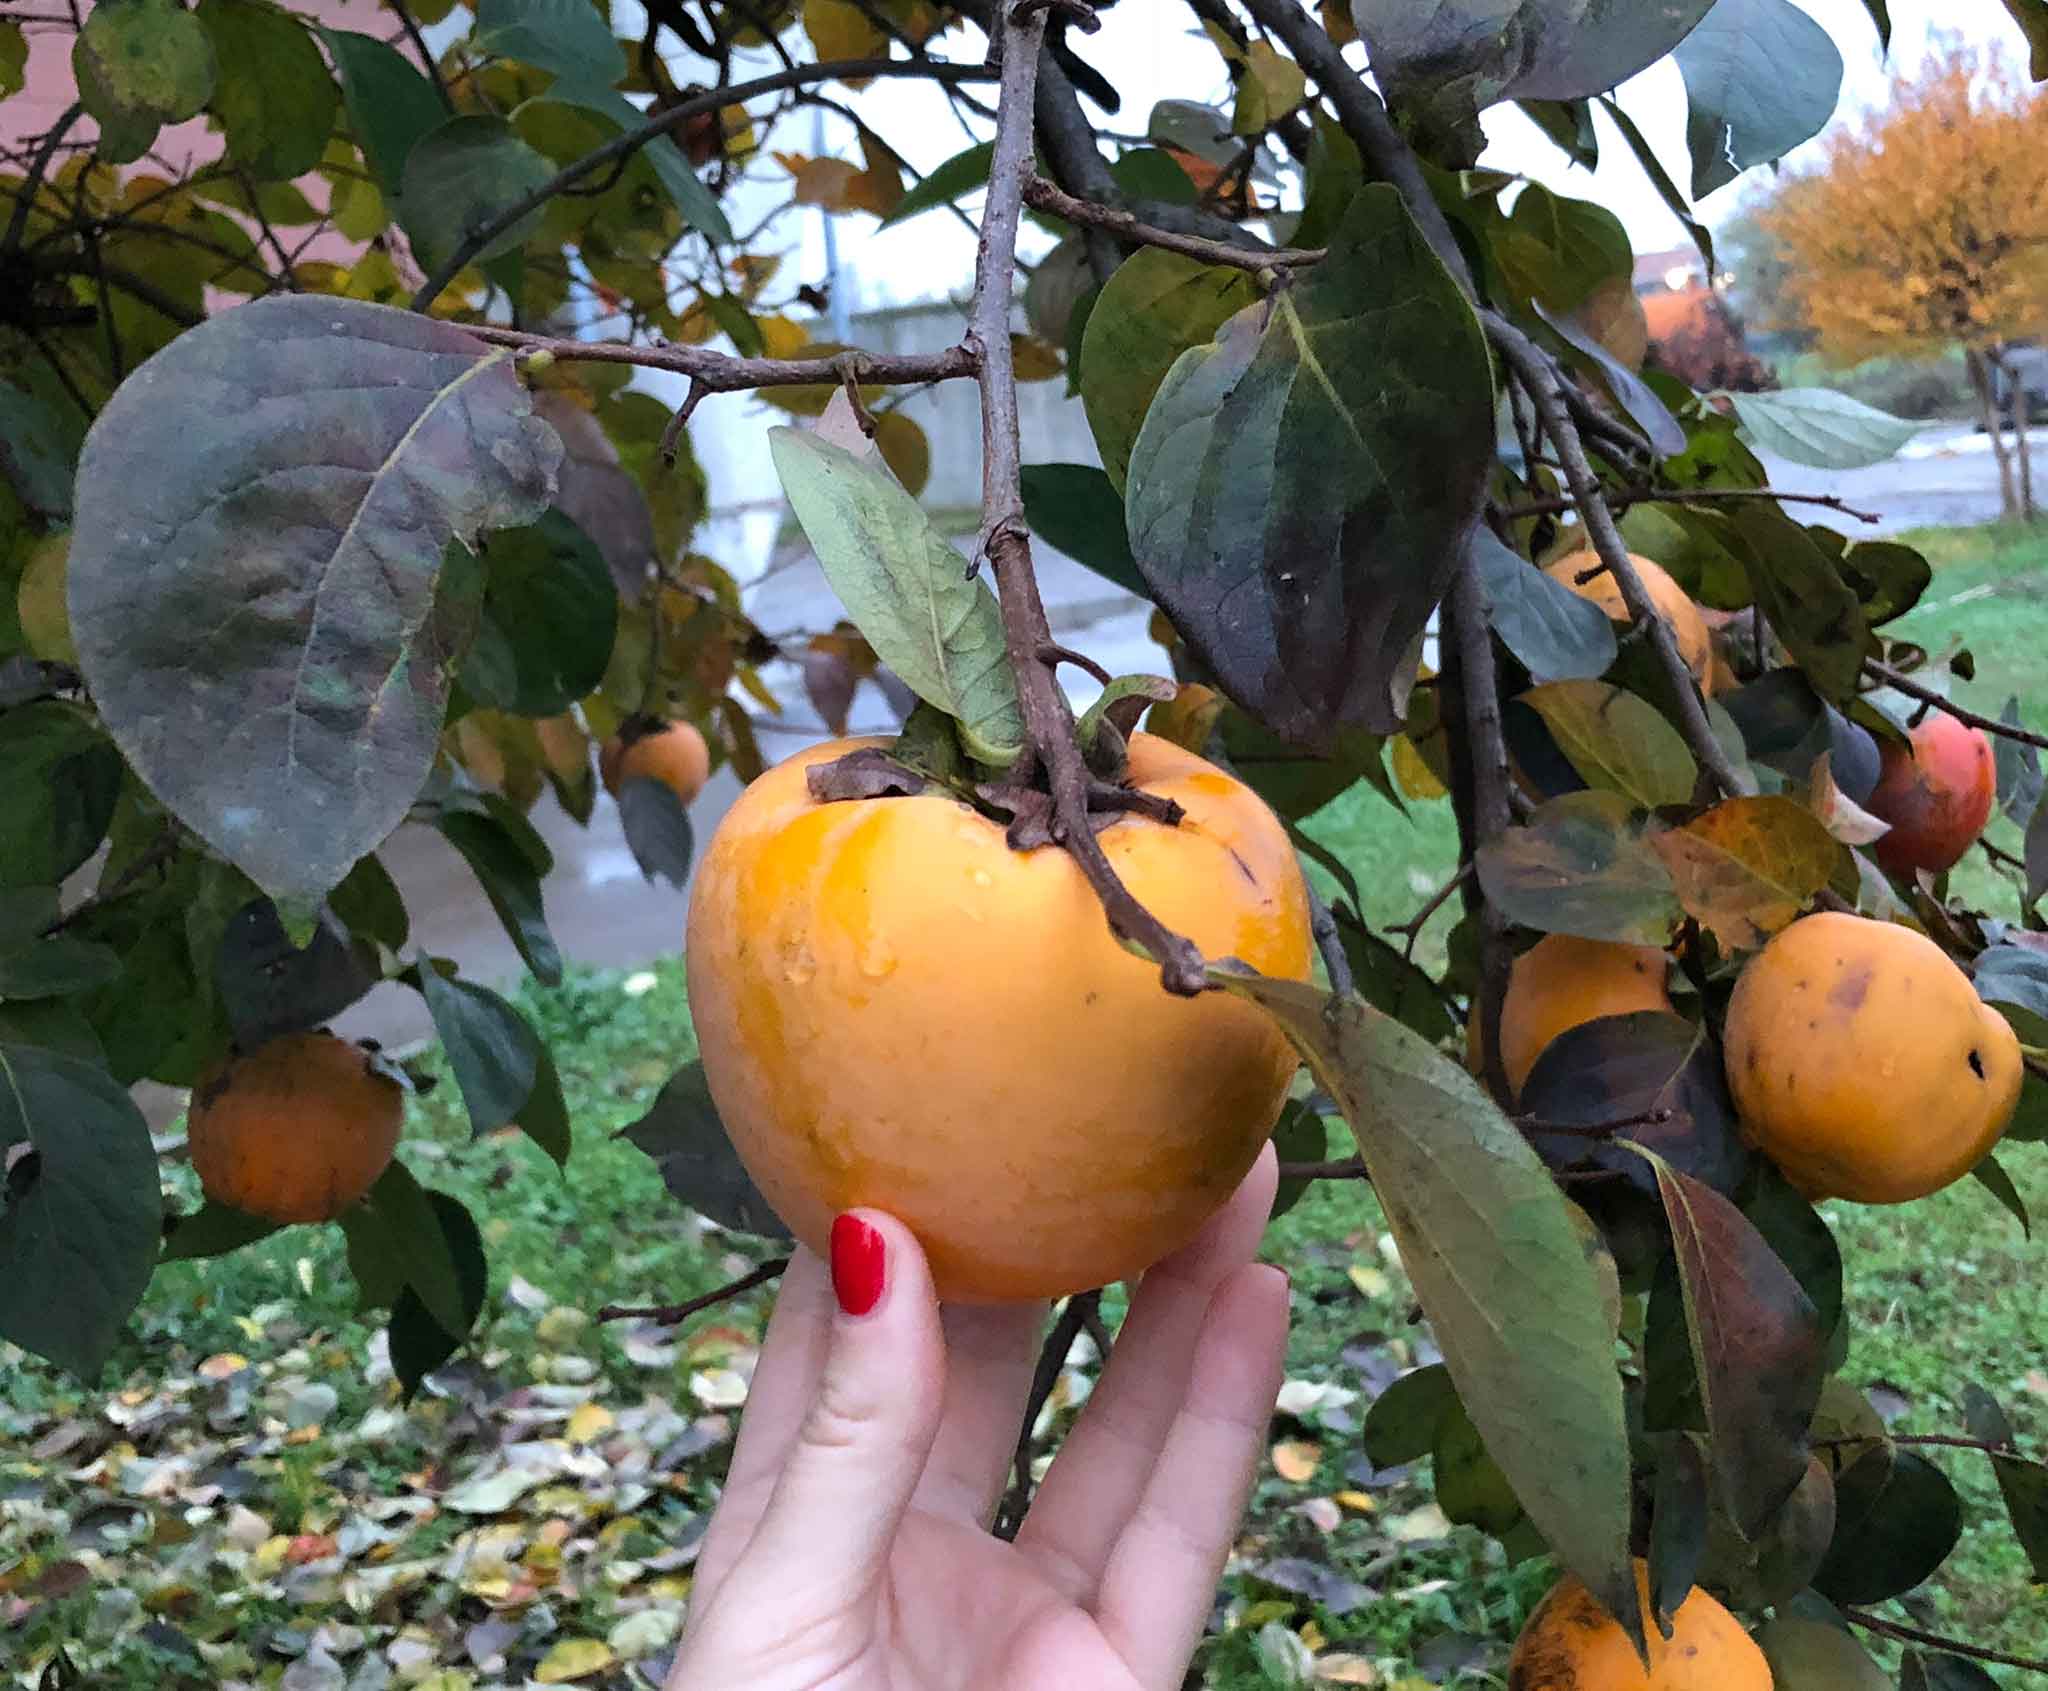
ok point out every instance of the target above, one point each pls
(859, 1255)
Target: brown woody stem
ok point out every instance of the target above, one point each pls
(1042, 195)
(1904, 683)
(1540, 379)
(1623, 497)
(718, 372)
(1935, 1641)
(1080, 1315)
(669, 1314)
(1048, 719)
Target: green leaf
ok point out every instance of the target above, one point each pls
(1991, 1175)
(390, 104)
(960, 175)
(550, 615)
(269, 986)
(1556, 634)
(1799, 1236)
(511, 878)
(38, 446)
(698, 205)
(80, 1220)
(403, 1212)
(13, 59)
(1760, 77)
(1678, 1523)
(1581, 866)
(1491, 1249)
(1634, 395)
(1921, 1671)
(370, 437)
(1389, 981)
(494, 1052)
(1301, 491)
(1569, 126)
(275, 98)
(600, 496)
(1820, 427)
(1076, 509)
(1616, 740)
(370, 905)
(906, 589)
(460, 177)
(1300, 1136)
(1881, 17)
(544, 1117)
(657, 829)
(419, 1342)
(1757, 1347)
(1887, 579)
(1155, 307)
(2032, 17)
(213, 1230)
(1335, 174)
(1809, 1655)
(2022, 1484)
(1401, 1425)
(568, 37)
(1558, 250)
(682, 1133)
(1152, 173)
(1660, 179)
(56, 967)
(61, 778)
(140, 64)
(1810, 607)
(1896, 1519)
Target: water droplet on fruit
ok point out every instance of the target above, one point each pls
(982, 878)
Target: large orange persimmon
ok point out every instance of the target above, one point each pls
(1937, 794)
(1570, 1643)
(898, 1010)
(1673, 603)
(1864, 1064)
(297, 1130)
(1560, 982)
(673, 753)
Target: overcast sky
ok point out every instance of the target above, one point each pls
(1150, 51)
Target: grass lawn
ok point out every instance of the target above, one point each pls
(254, 1508)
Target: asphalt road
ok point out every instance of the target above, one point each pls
(603, 913)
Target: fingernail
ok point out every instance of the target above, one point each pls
(859, 1254)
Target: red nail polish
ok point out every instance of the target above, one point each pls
(858, 1257)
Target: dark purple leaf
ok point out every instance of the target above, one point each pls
(1896, 1519)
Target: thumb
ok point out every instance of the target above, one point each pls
(832, 1518)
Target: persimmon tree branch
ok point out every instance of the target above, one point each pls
(669, 1314)
(1045, 196)
(432, 66)
(1540, 379)
(1904, 683)
(1080, 1315)
(1934, 1641)
(629, 141)
(1620, 498)
(1052, 749)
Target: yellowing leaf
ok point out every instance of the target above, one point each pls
(1340, 1667)
(1358, 1502)
(1035, 360)
(1748, 866)
(1841, 815)
(1296, 1460)
(841, 30)
(1272, 86)
(819, 182)
(905, 450)
(1616, 740)
(574, 1658)
(1412, 774)
(591, 1421)
(223, 1365)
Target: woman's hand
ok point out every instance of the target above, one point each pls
(851, 1550)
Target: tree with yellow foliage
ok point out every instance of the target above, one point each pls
(1926, 226)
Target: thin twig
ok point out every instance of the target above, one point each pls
(630, 141)
(1899, 679)
(1941, 1441)
(718, 372)
(669, 1314)
(1411, 930)
(1042, 195)
(1052, 1357)
(1623, 497)
(1539, 376)
(410, 24)
(1322, 922)
(38, 167)
(1048, 719)
(1934, 1641)
(1471, 710)
(1346, 1168)
(145, 860)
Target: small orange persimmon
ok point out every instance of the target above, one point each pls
(1560, 982)
(673, 753)
(295, 1131)
(896, 1009)
(1674, 604)
(1572, 1644)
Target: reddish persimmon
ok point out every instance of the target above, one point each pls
(1937, 794)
